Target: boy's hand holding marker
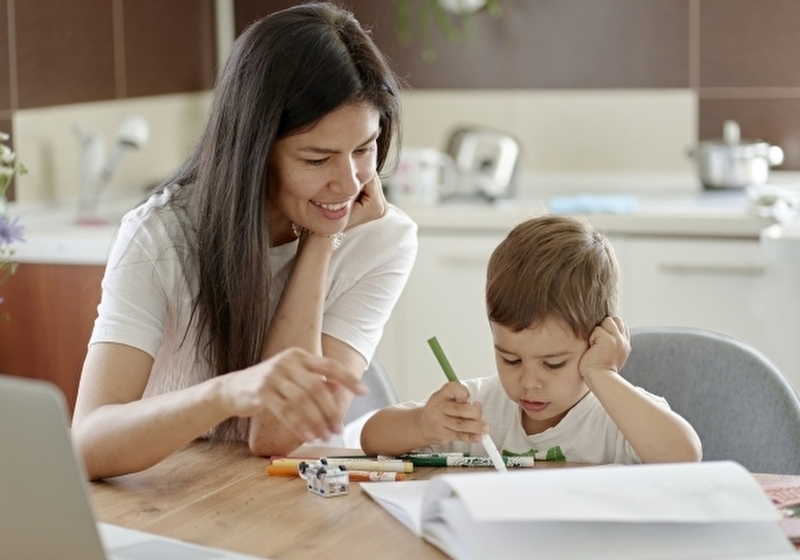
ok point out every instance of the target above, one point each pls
(448, 415)
(483, 434)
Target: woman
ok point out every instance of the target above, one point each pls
(244, 299)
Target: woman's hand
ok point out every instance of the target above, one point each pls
(369, 205)
(609, 348)
(297, 387)
(449, 416)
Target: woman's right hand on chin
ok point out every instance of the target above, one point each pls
(369, 205)
(297, 387)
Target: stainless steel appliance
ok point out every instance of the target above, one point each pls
(733, 162)
(486, 160)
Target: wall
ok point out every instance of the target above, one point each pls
(96, 61)
(586, 85)
(601, 85)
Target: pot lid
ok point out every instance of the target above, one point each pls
(732, 137)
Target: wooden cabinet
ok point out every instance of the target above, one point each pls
(51, 310)
(720, 284)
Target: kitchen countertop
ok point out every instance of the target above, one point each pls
(701, 214)
(52, 236)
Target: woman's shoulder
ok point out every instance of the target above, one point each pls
(157, 211)
(154, 225)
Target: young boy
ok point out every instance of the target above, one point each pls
(551, 297)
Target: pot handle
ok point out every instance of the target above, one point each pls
(775, 155)
(731, 133)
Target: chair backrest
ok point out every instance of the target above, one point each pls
(742, 406)
(381, 392)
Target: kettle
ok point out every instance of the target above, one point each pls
(733, 163)
(423, 176)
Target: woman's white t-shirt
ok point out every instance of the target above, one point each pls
(147, 300)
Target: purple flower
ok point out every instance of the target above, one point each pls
(10, 230)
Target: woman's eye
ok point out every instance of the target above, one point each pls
(316, 162)
(366, 149)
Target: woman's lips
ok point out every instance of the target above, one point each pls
(534, 406)
(333, 211)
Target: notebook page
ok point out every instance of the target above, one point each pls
(402, 499)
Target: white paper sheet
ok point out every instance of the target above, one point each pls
(658, 512)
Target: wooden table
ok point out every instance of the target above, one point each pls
(220, 496)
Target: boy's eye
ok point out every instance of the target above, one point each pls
(510, 361)
(557, 365)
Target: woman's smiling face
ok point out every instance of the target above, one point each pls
(538, 368)
(317, 174)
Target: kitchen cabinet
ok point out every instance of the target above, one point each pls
(722, 284)
(444, 297)
(726, 285)
(51, 310)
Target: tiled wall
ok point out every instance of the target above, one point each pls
(741, 58)
(621, 66)
(60, 52)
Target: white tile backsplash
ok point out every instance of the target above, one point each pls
(44, 140)
(567, 131)
(561, 131)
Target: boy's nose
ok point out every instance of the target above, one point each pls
(531, 379)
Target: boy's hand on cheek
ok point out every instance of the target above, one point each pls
(609, 348)
(449, 416)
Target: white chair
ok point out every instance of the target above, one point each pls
(381, 392)
(740, 403)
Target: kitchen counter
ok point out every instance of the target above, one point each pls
(702, 214)
(678, 208)
(52, 235)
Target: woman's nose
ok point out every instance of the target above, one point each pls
(347, 180)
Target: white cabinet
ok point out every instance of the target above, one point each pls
(443, 298)
(721, 284)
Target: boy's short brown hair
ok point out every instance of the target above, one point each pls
(552, 266)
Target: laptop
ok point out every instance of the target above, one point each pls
(45, 511)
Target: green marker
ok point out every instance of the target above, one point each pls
(488, 444)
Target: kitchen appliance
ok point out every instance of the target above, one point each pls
(733, 162)
(422, 176)
(486, 160)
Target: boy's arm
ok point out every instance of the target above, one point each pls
(657, 434)
(446, 416)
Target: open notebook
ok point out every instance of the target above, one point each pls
(45, 510)
(680, 511)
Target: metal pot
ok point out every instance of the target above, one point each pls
(735, 163)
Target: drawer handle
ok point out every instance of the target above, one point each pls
(730, 270)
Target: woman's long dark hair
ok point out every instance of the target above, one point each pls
(284, 73)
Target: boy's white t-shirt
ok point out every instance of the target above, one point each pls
(587, 434)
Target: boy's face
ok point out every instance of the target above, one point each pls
(538, 368)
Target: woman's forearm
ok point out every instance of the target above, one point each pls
(298, 315)
(116, 439)
(297, 322)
